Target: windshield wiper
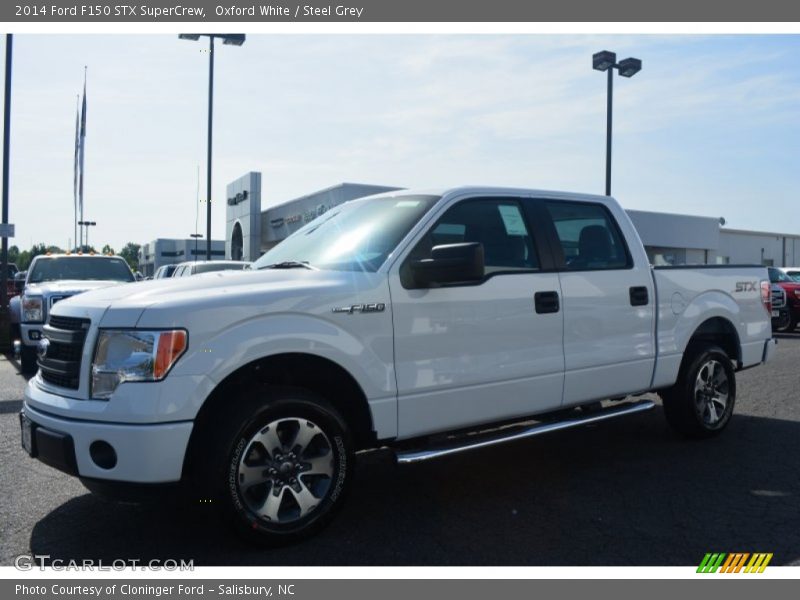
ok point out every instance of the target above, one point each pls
(289, 264)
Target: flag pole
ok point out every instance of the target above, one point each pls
(75, 168)
(82, 153)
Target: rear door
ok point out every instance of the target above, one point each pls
(608, 303)
(479, 352)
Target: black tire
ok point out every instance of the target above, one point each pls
(27, 360)
(13, 334)
(234, 450)
(692, 407)
(786, 323)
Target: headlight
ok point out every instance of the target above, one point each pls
(134, 355)
(32, 309)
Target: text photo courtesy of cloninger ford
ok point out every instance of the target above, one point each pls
(400, 300)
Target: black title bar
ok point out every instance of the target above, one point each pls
(210, 11)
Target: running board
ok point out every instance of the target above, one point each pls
(405, 457)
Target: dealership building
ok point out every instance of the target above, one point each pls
(162, 251)
(670, 239)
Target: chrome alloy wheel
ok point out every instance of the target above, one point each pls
(711, 391)
(286, 470)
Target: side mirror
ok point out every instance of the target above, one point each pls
(19, 285)
(450, 263)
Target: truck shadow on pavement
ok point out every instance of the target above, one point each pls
(626, 492)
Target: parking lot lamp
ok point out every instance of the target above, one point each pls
(195, 236)
(230, 39)
(87, 224)
(607, 61)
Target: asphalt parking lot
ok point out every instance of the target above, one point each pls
(626, 492)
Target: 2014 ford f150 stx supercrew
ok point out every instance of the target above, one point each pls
(381, 323)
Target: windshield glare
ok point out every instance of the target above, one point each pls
(356, 236)
(81, 268)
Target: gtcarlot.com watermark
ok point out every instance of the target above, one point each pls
(29, 562)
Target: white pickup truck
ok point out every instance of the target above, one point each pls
(428, 323)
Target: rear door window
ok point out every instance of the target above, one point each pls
(589, 236)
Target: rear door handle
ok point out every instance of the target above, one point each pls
(639, 296)
(546, 302)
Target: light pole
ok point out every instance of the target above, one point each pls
(195, 236)
(87, 224)
(6, 145)
(607, 61)
(231, 39)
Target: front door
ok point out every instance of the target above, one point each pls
(474, 353)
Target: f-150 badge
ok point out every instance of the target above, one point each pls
(362, 308)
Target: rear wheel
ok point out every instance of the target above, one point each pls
(283, 461)
(701, 402)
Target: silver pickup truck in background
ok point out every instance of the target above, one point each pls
(52, 278)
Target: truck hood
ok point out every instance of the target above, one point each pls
(180, 301)
(67, 286)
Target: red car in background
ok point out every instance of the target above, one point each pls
(10, 286)
(792, 289)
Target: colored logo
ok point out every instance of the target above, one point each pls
(734, 563)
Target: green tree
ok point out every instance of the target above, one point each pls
(108, 250)
(13, 255)
(131, 255)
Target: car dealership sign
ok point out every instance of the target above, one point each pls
(238, 198)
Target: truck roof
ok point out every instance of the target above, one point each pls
(81, 254)
(495, 190)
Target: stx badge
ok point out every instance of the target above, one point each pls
(745, 286)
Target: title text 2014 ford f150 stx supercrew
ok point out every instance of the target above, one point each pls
(382, 322)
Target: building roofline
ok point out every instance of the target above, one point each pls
(752, 232)
(671, 214)
(381, 188)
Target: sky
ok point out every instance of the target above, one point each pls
(710, 126)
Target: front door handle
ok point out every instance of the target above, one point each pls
(546, 302)
(639, 296)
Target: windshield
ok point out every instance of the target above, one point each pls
(776, 276)
(356, 236)
(80, 267)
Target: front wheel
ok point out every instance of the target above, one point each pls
(284, 462)
(786, 322)
(27, 360)
(701, 402)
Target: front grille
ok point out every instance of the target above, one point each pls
(69, 352)
(778, 298)
(61, 365)
(68, 323)
(54, 299)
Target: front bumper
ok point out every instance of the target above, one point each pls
(151, 453)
